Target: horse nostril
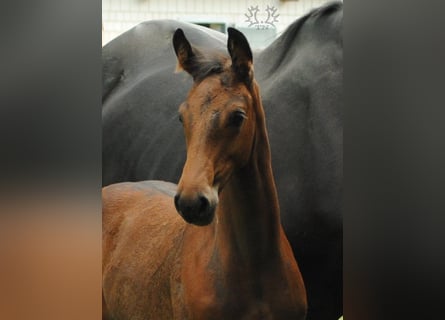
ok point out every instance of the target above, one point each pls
(203, 203)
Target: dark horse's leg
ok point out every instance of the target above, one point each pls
(324, 285)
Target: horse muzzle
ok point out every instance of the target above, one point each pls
(197, 209)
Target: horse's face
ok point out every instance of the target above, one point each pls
(219, 125)
(219, 129)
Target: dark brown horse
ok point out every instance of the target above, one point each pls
(232, 259)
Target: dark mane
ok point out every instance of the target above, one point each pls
(326, 9)
(207, 64)
(287, 38)
(315, 14)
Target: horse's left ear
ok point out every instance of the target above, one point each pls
(241, 55)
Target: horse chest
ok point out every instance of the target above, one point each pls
(214, 286)
(213, 298)
(244, 309)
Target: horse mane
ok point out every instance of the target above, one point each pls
(287, 38)
(205, 65)
(316, 14)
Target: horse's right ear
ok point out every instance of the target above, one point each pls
(184, 52)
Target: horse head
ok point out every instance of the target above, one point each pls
(219, 122)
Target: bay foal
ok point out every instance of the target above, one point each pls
(231, 260)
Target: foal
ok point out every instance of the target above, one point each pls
(232, 260)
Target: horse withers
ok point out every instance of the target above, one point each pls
(231, 260)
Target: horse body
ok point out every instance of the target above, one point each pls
(151, 258)
(300, 75)
(232, 260)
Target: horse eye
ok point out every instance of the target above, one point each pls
(237, 118)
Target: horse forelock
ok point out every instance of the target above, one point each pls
(208, 64)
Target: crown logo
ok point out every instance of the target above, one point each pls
(254, 21)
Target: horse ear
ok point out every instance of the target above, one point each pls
(184, 52)
(241, 55)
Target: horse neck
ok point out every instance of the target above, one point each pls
(248, 217)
